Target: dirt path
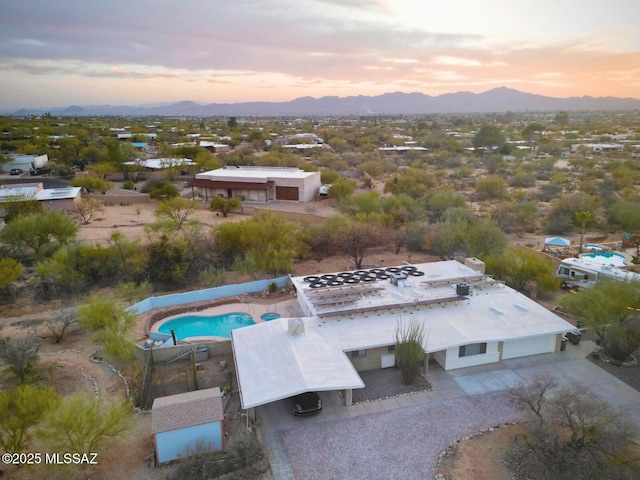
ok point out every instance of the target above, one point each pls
(480, 456)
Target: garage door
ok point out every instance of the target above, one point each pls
(287, 193)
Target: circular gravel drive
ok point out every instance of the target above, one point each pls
(399, 444)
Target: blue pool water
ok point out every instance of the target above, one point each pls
(605, 258)
(269, 316)
(201, 326)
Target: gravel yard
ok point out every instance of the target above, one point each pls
(399, 444)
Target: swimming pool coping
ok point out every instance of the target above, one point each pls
(255, 310)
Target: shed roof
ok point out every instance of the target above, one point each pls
(186, 410)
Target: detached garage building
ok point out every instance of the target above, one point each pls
(258, 184)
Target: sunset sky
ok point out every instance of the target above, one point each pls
(83, 52)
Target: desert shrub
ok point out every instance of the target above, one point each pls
(21, 356)
(213, 277)
(128, 185)
(160, 189)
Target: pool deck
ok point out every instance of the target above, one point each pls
(286, 308)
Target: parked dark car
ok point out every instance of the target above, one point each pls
(15, 171)
(306, 404)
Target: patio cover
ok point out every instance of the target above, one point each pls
(557, 242)
(272, 365)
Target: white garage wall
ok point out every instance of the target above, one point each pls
(528, 346)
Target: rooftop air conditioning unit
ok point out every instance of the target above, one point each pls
(296, 327)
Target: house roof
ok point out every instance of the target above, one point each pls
(271, 364)
(186, 410)
(161, 163)
(254, 174)
(35, 191)
(199, 182)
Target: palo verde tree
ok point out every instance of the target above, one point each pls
(410, 355)
(171, 252)
(86, 208)
(21, 410)
(42, 232)
(10, 271)
(20, 205)
(609, 309)
(225, 205)
(91, 183)
(266, 242)
(520, 267)
(80, 424)
(112, 325)
(177, 209)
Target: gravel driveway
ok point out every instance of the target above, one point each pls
(399, 444)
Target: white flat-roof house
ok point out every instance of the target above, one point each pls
(258, 184)
(599, 147)
(399, 150)
(351, 319)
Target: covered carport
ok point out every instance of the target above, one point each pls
(274, 362)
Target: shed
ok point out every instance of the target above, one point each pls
(181, 422)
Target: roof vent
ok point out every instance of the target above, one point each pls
(296, 327)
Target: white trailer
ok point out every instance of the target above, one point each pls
(577, 273)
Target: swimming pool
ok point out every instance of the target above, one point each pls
(608, 258)
(269, 316)
(206, 326)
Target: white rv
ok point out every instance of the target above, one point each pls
(577, 273)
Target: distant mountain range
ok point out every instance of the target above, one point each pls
(501, 99)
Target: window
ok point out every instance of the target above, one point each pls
(391, 349)
(472, 349)
(564, 271)
(358, 353)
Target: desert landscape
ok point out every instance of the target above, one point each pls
(72, 366)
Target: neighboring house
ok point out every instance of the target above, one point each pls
(215, 147)
(351, 319)
(154, 166)
(181, 422)
(50, 198)
(399, 150)
(302, 138)
(598, 147)
(302, 147)
(25, 162)
(258, 184)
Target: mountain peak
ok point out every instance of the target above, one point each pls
(499, 99)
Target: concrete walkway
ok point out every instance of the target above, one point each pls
(569, 366)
